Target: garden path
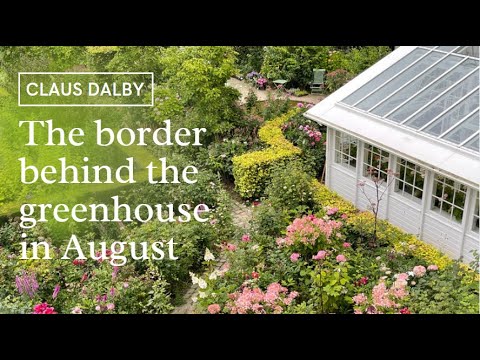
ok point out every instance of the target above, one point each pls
(262, 95)
(242, 215)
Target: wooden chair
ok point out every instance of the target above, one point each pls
(318, 80)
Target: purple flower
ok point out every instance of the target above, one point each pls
(300, 105)
(56, 290)
(27, 284)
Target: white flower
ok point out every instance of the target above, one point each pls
(202, 284)
(378, 258)
(202, 294)
(411, 273)
(194, 299)
(255, 247)
(388, 272)
(214, 294)
(194, 278)
(208, 255)
(213, 275)
(413, 283)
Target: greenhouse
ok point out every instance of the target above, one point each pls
(415, 113)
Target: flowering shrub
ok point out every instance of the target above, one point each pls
(336, 79)
(309, 233)
(262, 82)
(255, 301)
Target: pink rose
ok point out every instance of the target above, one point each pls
(213, 309)
(294, 257)
(320, 255)
(432, 267)
(110, 306)
(341, 258)
(347, 245)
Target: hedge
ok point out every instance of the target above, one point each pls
(363, 222)
(252, 170)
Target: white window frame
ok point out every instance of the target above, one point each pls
(343, 150)
(457, 187)
(401, 183)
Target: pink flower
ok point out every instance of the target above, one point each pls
(213, 221)
(320, 255)
(432, 267)
(110, 306)
(405, 310)
(419, 270)
(56, 290)
(44, 308)
(300, 105)
(341, 258)
(294, 257)
(402, 276)
(347, 245)
(357, 311)
(344, 216)
(246, 238)
(332, 211)
(98, 308)
(125, 285)
(213, 309)
(231, 247)
(255, 275)
(359, 299)
(76, 310)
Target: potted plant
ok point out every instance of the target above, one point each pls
(262, 83)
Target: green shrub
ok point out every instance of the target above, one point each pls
(294, 63)
(336, 79)
(252, 171)
(444, 292)
(291, 188)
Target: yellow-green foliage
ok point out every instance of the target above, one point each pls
(101, 49)
(252, 170)
(363, 222)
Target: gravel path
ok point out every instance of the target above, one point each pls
(262, 95)
(242, 215)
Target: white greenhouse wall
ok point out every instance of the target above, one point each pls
(404, 214)
(443, 234)
(413, 217)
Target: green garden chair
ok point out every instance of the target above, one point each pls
(318, 80)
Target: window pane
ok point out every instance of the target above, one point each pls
(410, 180)
(384, 76)
(448, 197)
(476, 216)
(416, 85)
(393, 85)
(454, 115)
(444, 102)
(473, 144)
(433, 91)
(463, 131)
(446, 48)
(345, 149)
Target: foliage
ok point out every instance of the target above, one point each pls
(290, 188)
(362, 223)
(355, 60)
(159, 302)
(14, 59)
(444, 292)
(294, 63)
(306, 134)
(251, 100)
(249, 58)
(197, 75)
(334, 80)
(252, 171)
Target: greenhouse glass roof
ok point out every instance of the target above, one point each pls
(433, 90)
